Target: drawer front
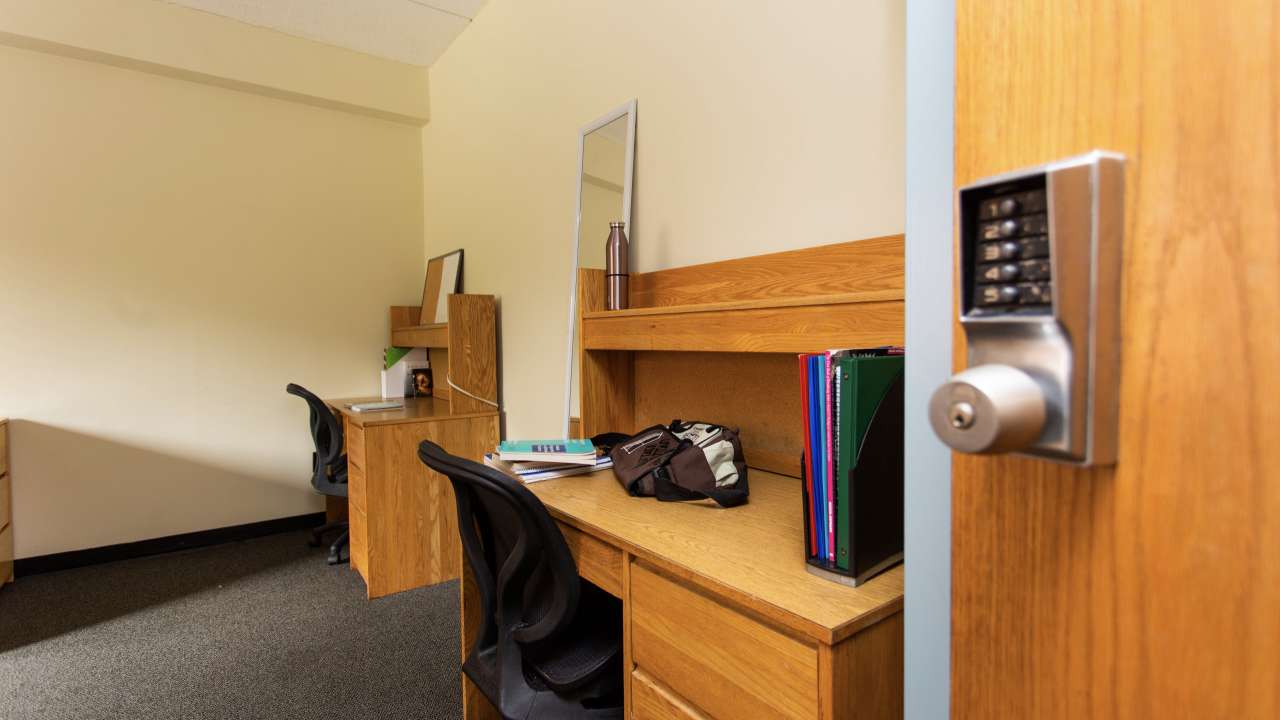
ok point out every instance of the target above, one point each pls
(6, 554)
(357, 488)
(358, 540)
(4, 448)
(724, 663)
(651, 701)
(598, 562)
(6, 500)
(355, 445)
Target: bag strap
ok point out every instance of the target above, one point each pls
(608, 440)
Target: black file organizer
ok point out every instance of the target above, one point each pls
(875, 535)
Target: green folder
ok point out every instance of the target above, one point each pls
(864, 381)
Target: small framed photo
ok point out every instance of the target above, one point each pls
(421, 382)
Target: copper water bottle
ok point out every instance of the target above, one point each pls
(617, 270)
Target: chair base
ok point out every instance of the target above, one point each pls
(335, 550)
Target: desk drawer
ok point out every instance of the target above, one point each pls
(598, 562)
(358, 540)
(724, 663)
(651, 701)
(355, 444)
(357, 487)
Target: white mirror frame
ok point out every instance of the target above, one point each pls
(629, 111)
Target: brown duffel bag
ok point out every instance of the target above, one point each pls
(680, 461)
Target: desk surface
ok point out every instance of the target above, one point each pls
(753, 553)
(414, 410)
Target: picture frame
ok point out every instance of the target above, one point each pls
(444, 278)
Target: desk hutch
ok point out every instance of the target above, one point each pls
(720, 617)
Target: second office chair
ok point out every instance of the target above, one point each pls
(328, 465)
(550, 645)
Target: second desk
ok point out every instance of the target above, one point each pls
(404, 524)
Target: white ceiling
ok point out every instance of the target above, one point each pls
(410, 31)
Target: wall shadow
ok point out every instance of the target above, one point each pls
(58, 480)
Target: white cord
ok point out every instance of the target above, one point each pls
(449, 380)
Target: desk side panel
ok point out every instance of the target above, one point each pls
(862, 677)
(412, 518)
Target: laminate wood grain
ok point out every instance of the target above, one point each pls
(415, 410)
(605, 377)
(724, 662)
(435, 335)
(358, 541)
(473, 352)
(772, 303)
(6, 502)
(752, 556)
(403, 316)
(6, 554)
(357, 486)
(652, 701)
(774, 329)
(353, 438)
(598, 562)
(754, 392)
(1151, 589)
(858, 266)
(862, 677)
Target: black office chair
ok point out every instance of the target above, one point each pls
(328, 466)
(551, 643)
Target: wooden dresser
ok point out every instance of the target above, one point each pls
(6, 507)
(720, 617)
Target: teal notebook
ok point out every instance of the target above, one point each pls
(572, 447)
(578, 452)
(863, 383)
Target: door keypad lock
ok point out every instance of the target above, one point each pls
(1039, 305)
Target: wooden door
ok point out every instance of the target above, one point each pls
(1151, 589)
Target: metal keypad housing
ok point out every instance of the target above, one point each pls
(1040, 271)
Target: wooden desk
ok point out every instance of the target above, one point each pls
(404, 526)
(720, 618)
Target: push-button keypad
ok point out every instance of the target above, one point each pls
(1011, 269)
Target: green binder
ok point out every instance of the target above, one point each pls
(863, 382)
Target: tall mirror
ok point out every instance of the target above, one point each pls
(606, 153)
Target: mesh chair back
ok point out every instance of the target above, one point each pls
(329, 468)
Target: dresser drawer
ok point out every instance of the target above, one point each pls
(650, 701)
(6, 554)
(6, 499)
(724, 663)
(355, 444)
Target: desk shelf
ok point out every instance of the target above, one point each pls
(773, 325)
(464, 349)
(733, 360)
(423, 336)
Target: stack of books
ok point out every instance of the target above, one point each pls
(534, 460)
(840, 393)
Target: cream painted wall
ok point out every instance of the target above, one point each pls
(761, 126)
(173, 253)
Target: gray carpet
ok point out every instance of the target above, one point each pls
(255, 629)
